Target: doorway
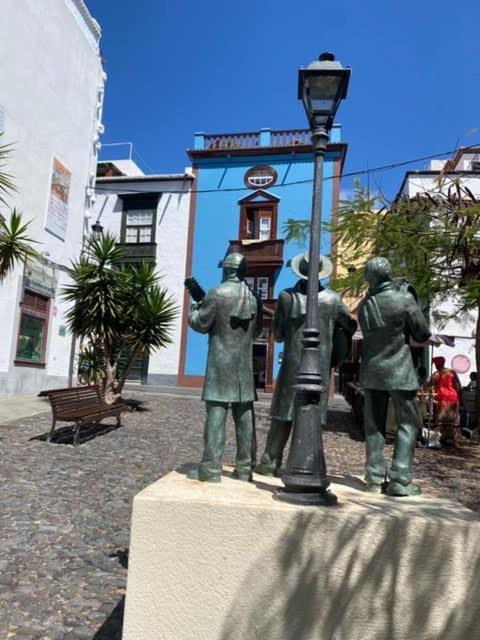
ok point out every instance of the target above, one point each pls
(260, 365)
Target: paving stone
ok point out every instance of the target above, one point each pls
(65, 519)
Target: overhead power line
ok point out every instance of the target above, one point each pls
(386, 167)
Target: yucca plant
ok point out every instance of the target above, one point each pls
(91, 365)
(6, 184)
(15, 244)
(152, 322)
(120, 309)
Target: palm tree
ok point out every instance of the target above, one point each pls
(120, 310)
(15, 245)
(6, 184)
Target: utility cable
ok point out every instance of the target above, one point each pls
(361, 172)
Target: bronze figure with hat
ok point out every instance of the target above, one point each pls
(336, 326)
(231, 316)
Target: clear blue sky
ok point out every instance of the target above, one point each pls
(179, 66)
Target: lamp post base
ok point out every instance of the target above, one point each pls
(320, 498)
(305, 478)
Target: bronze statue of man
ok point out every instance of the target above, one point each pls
(389, 316)
(231, 315)
(288, 325)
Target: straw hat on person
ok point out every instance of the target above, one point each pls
(300, 266)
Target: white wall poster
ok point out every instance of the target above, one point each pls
(57, 214)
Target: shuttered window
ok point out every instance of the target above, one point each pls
(32, 333)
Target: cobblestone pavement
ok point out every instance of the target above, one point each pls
(65, 511)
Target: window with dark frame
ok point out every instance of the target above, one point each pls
(259, 285)
(258, 222)
(138, 224)
(32, 334)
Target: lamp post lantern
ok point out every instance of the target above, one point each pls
(321, 87)
(97, 230)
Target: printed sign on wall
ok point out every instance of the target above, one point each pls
(57, 214)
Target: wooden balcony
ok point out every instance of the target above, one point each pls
(232, 141)
(259, 253)
(258, 143)
(139, 251)
(291, 138)
(269, 305)
(254, 140)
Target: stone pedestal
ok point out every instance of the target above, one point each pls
(228, 562)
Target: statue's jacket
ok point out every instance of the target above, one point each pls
(388, 318)
(288, 325)
(231, 315)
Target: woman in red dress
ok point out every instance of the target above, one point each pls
(447, 388)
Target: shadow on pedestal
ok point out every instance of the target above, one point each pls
(354, 585)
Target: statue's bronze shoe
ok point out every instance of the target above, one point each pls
(244, 476)
(193, 474)
(401, 490)
(266, 470)
(376, 488)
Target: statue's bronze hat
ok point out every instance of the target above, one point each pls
(300, 266)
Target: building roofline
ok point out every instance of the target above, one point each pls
(197, 154)
(433, 172)
(167, 177)
(89, 20)
(458, 155)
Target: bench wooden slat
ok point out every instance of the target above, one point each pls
(80, 404)
(86, 412)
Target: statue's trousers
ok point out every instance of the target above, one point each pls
(277, 439)
(210, 467)
(375, 415)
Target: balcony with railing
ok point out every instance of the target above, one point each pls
(138, 251)
(231, 141)
(252, 140)
(264, 253)
(262, 141)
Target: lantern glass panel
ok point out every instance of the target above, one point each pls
(323, 91)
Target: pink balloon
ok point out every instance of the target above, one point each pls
(460, 364)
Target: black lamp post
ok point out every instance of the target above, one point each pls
(321, 86)
(97, 230)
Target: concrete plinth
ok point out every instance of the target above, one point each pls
(227, 562)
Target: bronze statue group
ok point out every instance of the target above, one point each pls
(231, 315)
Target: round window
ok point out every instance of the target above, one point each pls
(259, 177)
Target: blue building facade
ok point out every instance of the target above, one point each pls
(247, 186)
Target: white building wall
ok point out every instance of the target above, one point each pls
(50, 98)
(462, 327)
(420, 183)
(171, 239)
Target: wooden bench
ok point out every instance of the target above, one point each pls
(45, 392)
(80, 405)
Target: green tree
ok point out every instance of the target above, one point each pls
(119, 309)
(432, 240)
(15, 244)
(91, 365)
(6, 184)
